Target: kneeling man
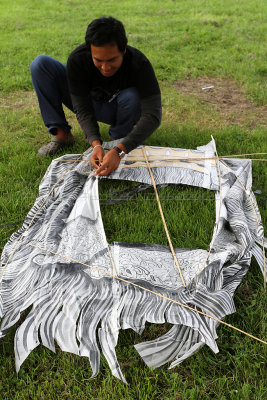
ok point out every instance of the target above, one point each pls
(105, 80)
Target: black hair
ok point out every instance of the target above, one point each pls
(106, 30)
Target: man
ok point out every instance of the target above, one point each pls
(105, 80)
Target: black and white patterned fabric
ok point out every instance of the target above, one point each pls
(78, 307)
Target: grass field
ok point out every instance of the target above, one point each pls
(191, 44)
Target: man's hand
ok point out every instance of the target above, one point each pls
(97, 156)
(111, 161)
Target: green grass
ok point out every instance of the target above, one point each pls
(183, 40)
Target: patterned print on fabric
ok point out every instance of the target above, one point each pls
(46, 263)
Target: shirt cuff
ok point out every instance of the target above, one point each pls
(94, 137)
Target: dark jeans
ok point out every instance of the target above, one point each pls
(50, 84)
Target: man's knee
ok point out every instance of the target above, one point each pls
(38, 64)
(129, 99)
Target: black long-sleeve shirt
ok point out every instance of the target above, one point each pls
(86, 83)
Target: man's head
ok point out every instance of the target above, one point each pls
(106, 30)
(107, 41)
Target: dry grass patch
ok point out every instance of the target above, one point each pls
(227, 97)
(19, 100)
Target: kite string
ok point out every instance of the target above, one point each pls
(247, 154)
(177, 159)
(148, 290)
(162, 217)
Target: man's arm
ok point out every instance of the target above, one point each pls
(149, 121)
(78, 82)
(84, 111)
(83, 108)
(104, 164)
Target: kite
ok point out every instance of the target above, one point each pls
(83, 290)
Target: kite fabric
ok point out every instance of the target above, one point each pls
(46, 264)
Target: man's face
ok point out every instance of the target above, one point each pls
(107, 59)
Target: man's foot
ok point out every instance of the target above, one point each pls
(56, 145)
